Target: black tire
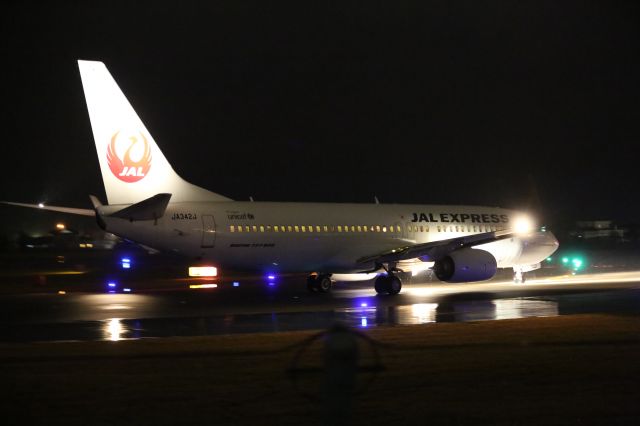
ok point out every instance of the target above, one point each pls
(324, 283)
(394, 285)
(381, 285)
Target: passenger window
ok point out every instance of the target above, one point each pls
(275, 228)
(377, 228)
(365, 228)
(232, 228)
(255, 228)
(268, 228)
(353, 228)
(384, 229)
(289, 228)
(317, 228)
(304, 228)
(261, 228)
(339, 228)
(426, 228)
(296, 228)
(439, 229)
(326, 228)
(359, 228)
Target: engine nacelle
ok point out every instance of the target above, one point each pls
(466, 265)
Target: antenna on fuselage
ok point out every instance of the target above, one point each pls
(375, 198)
(251, 198)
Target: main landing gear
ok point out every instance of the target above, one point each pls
(388, 284)
(518, 276)
(319, 283)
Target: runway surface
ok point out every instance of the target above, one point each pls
(284, 305)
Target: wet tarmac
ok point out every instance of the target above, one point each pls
(284, 305)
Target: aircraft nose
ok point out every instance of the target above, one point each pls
(552, 239)
(549, 240)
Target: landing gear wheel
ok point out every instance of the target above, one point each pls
(388, 284)
(324, 283)
(381, 284)
(394, 285)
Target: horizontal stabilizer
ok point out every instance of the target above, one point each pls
(94, 200)
(149, 209)
(70, 210)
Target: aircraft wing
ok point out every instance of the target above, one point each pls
(432, 251)
(70, 210)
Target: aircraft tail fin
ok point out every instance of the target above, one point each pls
(133, 167)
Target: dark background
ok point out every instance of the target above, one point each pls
(516, 104)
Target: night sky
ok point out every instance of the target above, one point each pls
(416, 102)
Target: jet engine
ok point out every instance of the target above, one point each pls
(466, 265)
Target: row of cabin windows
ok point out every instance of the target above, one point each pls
(362, 228)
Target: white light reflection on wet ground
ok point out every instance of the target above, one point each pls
(524, 308)
(450, 311)
(114, 330)
(419, 313)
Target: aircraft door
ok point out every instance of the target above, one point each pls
(208, 231)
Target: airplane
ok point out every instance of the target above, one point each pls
(150, 204)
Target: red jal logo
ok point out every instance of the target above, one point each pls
(126, 169)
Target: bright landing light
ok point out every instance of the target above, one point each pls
(522, 225)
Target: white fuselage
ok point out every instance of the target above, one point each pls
(321, 237)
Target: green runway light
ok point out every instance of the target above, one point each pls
(565, 260)
(549, 259)
(577, 263)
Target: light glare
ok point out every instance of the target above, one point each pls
(203, 271)
(522, 225)
(197, 286)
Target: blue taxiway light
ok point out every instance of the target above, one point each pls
(236, 284)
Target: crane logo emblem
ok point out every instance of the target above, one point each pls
(135, 163)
